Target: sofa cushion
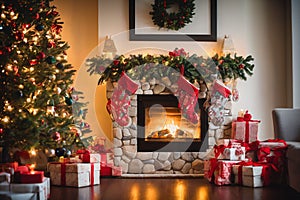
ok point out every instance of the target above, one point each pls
(293, 152)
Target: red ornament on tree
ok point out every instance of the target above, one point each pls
(56, 136)
(41, 56)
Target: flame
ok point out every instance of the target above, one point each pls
(172, 127)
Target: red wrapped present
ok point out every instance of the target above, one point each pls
(219, 171)
(273, 151)
(107, 158)
(223, 172)
(116, 171)
(106, 170)
(6, 166)
(74, 174)
(87, 157)
(229, 142)
(29, 177)
(245, 129)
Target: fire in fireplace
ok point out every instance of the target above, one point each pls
(161, 126)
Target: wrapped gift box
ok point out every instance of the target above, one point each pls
(251, 176)
(106, 169)
(88, 157)
(107, 158)
(116, 171)
(223, 172)
(5, 166)
(38, 191)
(74, 174)
(219, 171)
(229, 142)
(29, 177)
(245, 131)
(229, 153)
(234, 153)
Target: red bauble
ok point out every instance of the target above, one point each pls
(56, 136)
(19, 35)
(33, 62)
(1, 130)
(41, 56)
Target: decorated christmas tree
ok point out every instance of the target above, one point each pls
(39, 107)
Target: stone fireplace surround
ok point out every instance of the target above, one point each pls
(135, 163)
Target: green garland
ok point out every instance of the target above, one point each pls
(173, 20)
(196, 68)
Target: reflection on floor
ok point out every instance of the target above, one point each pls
(169, 189)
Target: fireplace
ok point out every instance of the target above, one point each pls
(162, 128)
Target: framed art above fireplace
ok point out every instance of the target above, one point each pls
(202, 28)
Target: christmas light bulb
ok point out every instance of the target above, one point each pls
(31, 69)
(3, 16)
(18, 52)
(28, 100)
(21, 86)
(32, 152)
(20, 110)
(12, 13)
(15, 17)
(25, 40)
(9, 67)
(5, 119)
(9, 108)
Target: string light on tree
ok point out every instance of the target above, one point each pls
(34, 65)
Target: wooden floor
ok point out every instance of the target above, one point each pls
(169, 189)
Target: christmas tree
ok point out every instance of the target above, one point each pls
(39, 107)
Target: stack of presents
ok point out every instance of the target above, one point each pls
(82, 170)
(243, 160)
(23, 182)
(79, 170)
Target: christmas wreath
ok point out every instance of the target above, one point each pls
(173, 20)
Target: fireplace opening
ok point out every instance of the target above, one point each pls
(161, 126)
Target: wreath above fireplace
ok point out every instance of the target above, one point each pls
(196, 68)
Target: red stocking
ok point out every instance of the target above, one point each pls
(120, 100)
(188, 98)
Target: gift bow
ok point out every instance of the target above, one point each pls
(83, 151)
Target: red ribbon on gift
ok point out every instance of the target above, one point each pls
(265, 174)
(63, 173)
(219, 149)
(213, 167)
(247, 118)
(92, 173)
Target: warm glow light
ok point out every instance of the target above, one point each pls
(202, 193)
(5, 119)
(32, 152)
(9, 67)
(21, 86)
(172, 127)
(3, 16)
(31, 69)
(134, 192)
(9, 108)
(28, 100)
(151, 193)
(180, 190)
(31, 168)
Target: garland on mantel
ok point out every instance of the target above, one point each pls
(196, 68)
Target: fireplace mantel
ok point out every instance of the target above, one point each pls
(133, 161)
